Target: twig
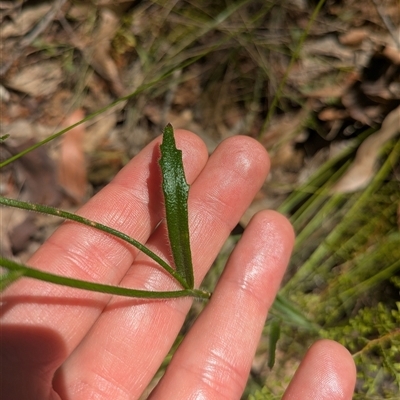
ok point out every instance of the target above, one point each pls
(32, 35)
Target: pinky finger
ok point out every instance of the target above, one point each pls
(326, 372)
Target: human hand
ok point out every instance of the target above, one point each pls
(64, 343)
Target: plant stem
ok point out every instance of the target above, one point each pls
(73, 217)
(330, 242)
(99, 287)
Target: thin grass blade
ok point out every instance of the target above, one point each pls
(275, 334)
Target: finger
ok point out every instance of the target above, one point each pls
(327, 372)
(131, 203)
(132, 337)
(215, 358)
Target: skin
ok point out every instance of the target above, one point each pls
(64, 343)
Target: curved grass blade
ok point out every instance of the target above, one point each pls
(176, 193)
(19, 270)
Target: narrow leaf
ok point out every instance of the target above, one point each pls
(176, 193)
(74, 217)
(17, 270)
(274, 335)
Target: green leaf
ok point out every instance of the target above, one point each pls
(176, 193)
(288, 312)
(74, 217)
(274, 335)
(17, 270)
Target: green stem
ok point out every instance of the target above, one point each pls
(289, 313)
(355, 241)
(376, 342)
(330, 242)
(323, 175)
(326, 210)
(99, 287)
(306, 212)
(73, 217)
(8, 278)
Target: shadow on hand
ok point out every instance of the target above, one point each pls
(29, 356)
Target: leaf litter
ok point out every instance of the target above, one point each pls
(362, 170)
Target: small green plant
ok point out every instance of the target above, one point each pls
(176, 192)
(262, 394)
(373, 335)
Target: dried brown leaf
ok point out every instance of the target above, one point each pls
(285, 129)
(329, 91)
(41, 79)
(392, 54)
(24, 21)
(310, 66)
(332, 114)
(21, 234)
(98, 55)
(354, 37)
(71, 163)
(359, 106)
(98, 130)
(380, 89)
(36, 173)
(363, 168)
(5, 249)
